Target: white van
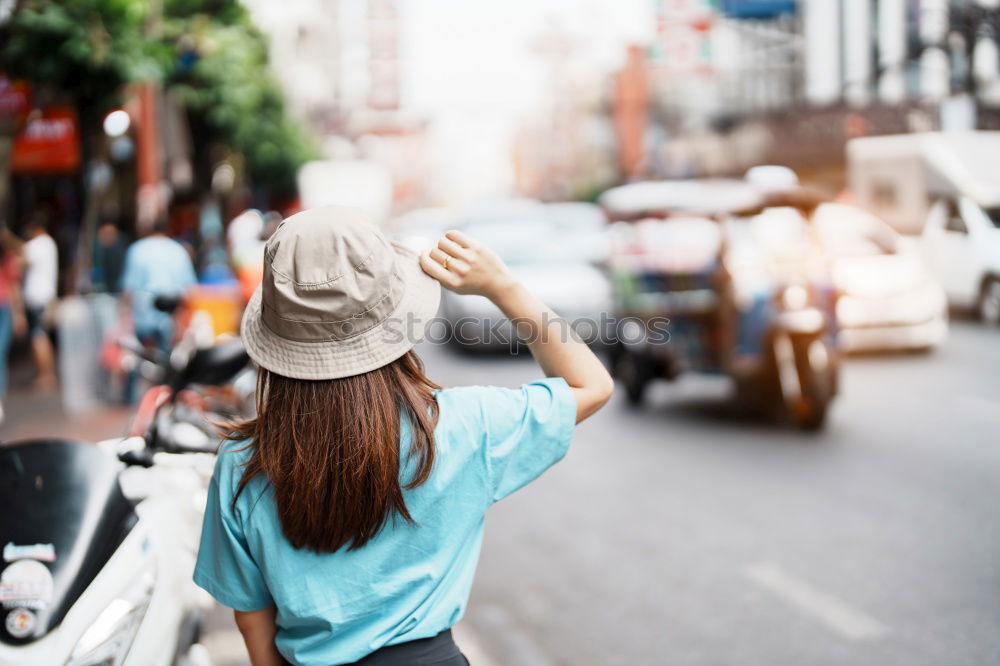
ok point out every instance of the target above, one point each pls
(943, 187)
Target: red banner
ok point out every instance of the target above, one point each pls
(49, 143)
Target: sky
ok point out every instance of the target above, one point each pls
(469, 67)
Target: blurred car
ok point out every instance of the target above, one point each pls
(576, 215)
(502, 209)
(583, 226)
(553, 270)
(889, 298)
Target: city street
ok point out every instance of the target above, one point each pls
(198, 198)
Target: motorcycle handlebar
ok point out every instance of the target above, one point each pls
(140, 457)
(135, 347)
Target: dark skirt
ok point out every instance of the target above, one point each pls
(438, 650)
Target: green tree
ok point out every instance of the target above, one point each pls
(233, 95)
(209, 50)
(78, 51)
(85, 49)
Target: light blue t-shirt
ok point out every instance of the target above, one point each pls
(409, 581)
(155, 266)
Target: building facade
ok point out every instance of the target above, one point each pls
(739, 82)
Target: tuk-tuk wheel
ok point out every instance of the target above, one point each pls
(817, 381)
(802, 380)
(634, 372)
(808, 415)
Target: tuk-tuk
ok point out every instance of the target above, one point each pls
(719, 277)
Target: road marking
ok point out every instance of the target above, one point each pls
(827, 609)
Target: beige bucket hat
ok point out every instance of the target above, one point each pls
(337, 299)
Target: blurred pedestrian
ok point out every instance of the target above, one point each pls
(213, 264)
(244, 228)
(344, 521)
(155, 266)
(272, 220)
(246, 248)
(12, 321)
(41, 280)
(109, 258)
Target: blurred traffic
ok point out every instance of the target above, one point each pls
(778, 222)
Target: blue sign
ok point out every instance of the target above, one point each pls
(757, 9)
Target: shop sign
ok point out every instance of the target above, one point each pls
(49, 142)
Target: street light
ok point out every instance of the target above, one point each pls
(117, 123)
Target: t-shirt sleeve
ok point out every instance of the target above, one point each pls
(527, 430)
(225, 568)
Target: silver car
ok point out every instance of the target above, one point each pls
(552, 264)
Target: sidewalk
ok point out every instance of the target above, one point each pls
(30, 414)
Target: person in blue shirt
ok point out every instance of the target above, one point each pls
(155, 266)
(344, 521)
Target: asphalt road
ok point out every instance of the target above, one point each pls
(686, 534)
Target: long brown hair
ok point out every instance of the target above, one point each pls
(331, 450)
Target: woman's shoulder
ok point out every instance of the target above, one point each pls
(236, 449)
(229, 462)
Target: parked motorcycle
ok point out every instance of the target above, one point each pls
(100, 541)
(227, 393)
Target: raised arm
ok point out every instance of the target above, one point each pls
(473, 268)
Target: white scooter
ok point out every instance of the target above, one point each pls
(99, 542)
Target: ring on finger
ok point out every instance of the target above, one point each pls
(444, 263)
